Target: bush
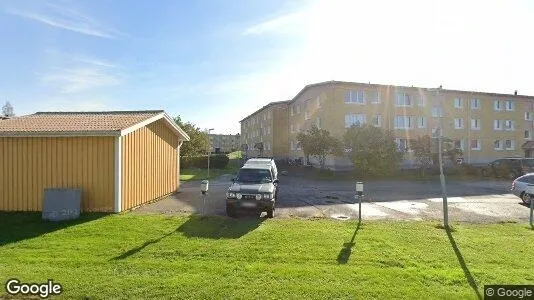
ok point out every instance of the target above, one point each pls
(217, 161)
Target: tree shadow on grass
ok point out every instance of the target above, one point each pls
(212, 227)
(344, 254)
(468, 276)
(17, 226)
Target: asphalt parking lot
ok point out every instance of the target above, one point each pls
(477, 201)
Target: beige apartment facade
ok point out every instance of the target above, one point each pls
(224, 143)
(265, 132)
(485, 126)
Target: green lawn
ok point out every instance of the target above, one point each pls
(201, 174)
(154, 256)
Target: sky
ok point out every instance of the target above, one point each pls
(213, 62)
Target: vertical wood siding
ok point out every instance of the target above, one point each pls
(149, 164)
(28, 165)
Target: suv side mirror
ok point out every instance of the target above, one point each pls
(275, 181)
(233, 179)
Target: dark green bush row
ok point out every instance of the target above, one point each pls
(217, 161)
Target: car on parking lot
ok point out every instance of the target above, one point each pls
(510, 168)
(254, 188)
(519, 187)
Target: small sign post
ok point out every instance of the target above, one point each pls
(359, 194)
(530, 192)
(204, 186)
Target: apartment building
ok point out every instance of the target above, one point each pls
(485, 126)
(265, 132)
(224, 143)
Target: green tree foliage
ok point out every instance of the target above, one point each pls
(199, 140)
(374, 150)
(426, 151)
(319, 143)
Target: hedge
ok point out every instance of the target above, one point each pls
(217, 161)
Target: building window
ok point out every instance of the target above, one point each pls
(437, 112)
(475, 103)
(298, 109)
(354, 96)
(528, 134)
(497, 145)
(509, 144)
(291, 110)
(528, 116)
(298, 146)
(403, 122)
(377, 120)
(421, 101)
(268, 129)
(509, 105)
(458, 103)
(459, 144)
(293, 148)
(318, 122)
(402, 144)
(475, 124)
(291, 128)
(403, 99)
(421, 122)
(497, 105)
(475, 145)
(269, 114)
(265, 117)
(306, 115)
(497, 124)
(374, 97)
(508, 125)
(458, 123)
(318, 101)
(354, 120)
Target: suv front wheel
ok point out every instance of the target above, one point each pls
(270, 212)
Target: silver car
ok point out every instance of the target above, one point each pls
(519, 187)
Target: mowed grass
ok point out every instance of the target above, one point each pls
(155, 256)
(191, 174)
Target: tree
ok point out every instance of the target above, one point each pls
(427, 154)
(319, 144)
(374, 150)
(424, 152)
(198, 140)
(7, 110)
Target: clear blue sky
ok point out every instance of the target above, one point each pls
(214, 62)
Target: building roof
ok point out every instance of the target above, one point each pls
(264, 107)
(102, 123)
(325, 83)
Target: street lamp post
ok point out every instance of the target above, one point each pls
(209, 151)
(440, 157)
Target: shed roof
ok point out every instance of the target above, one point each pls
(101, 123)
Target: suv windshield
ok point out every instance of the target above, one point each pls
(253, 175)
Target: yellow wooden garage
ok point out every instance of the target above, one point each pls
(119, 159)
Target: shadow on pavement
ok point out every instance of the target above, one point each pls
(344, 254)
(468, 276)
(18, 226)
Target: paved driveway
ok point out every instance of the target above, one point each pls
(470, 201)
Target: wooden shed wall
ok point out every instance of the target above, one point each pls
(28, 165)
(149, 164)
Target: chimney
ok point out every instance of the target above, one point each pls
(440, 86)
(515, 92)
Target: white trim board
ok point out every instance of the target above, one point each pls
(118, 174)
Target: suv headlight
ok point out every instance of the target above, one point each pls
(230, 195)
(258, 196)
(267, 196)
(238, 196)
